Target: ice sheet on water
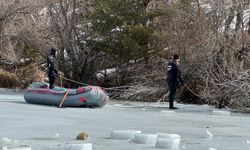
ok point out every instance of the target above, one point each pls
(56, 135)
(6, 140)
(124, 134)
(145, 138)
(46, 144)
(168, 143)
(209, 134)
(11, 97)
(246, 142)
(167, 112)
(165, 140)
(221, 112)
(159, 104)
(20, 148)
(190, 125)
(16, 148)
(84, 146)
(4, 148)
(170, 136)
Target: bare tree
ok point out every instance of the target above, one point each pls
(70, 24)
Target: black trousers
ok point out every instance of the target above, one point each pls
(52, 82)
(172, 92)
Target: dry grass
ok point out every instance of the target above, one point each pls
(143, 93)
(8, 80)
(30, 73)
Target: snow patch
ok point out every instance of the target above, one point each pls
(211, 148)
(85, 146)
(124, 134)
(108, 71)
(209, 134)
(165, 112)
(6, 140)
(16, 141)
(246, 15)
(44, 11)
(20, 148)
(57, 135)
(221, 112)
(246, 142)
(159, 104)
(17, 148)
(5, 148)
(145, 138)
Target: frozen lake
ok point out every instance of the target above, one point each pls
(49, 128)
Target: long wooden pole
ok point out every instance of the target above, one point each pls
(67, 92)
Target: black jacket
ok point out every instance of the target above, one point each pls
(174, 73)
(51, 64)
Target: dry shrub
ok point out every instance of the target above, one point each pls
(232, 90)
(39, 76)
(143, 93)
(8, 80)
(30, 73)
(146, 81)
(217, 84)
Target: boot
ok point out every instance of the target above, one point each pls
(171, 105)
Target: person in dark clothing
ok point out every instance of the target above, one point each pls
(174, 79)
(52, 71)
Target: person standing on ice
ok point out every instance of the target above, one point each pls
(52, 71)
(173, 79)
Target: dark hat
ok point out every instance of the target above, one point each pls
(53, 51)
(176, 56)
